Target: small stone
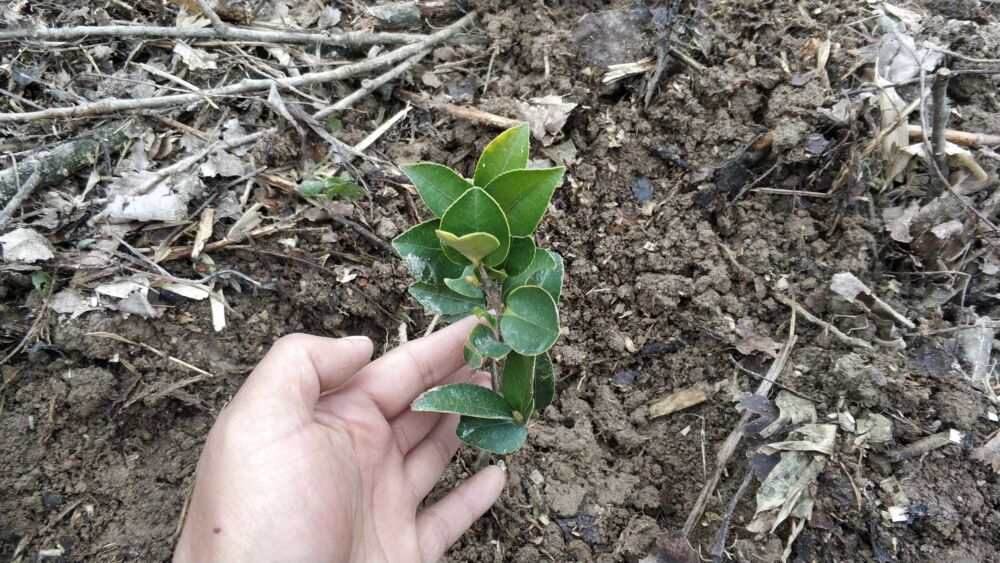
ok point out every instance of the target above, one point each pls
(642, 189)
(536, 477)
(52, 500)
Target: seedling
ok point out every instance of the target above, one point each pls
(478, 256)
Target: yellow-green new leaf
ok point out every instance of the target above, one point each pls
(474, 246)
(476, 212)
(524, 195)
(530, 321)
(508, 151)
(438, 185)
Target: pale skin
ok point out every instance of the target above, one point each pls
(318, 458)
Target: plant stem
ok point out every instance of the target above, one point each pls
(496, 305)
(940, 119)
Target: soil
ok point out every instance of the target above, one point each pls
(99, 444)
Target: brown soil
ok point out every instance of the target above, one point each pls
(658, 290)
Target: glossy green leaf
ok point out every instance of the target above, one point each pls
(496, 436)
(438, 185)
(545, 382)
(466, 399)
(463, 284)
(42, 283)
(517, 384)
(522, 253)
(442, 300)
(474, 246)
(542, 261)
(476, 212)
(524, 195)
(473, 359)
(486, 344)
(486, 316)
(508, 151)
(530, 321)
(422, 254)
(550, 279)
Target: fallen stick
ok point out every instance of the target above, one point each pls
(61, 162)
(345, 39)
(460, 112)
(720, 539)
(733, 440)
(369, 86)
(111, 105)
(26, 189)
(974, 140)
(818, 321)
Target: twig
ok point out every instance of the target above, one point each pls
(345, 39)
(369, 86)
(209, 12)
(940, 109)
(974, 140)
(111, 105)
(818, 321)
(460, 112)
(799, 193)
(182, 363)
(381, 129)
(176, 80)
(720, 538)
(23, 193)
(932, 164)
(733, 440)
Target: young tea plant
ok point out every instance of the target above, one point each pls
(478, 256)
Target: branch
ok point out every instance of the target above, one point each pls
(368, 86)
(460, 112)
(493, 302)
(26, 189)
(345, 39)
(119, 104)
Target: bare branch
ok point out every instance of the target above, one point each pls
(111, 105)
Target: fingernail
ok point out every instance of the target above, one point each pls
(358, 338)
(502, 465)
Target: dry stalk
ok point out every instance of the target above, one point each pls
(112, 105)
(940, 109)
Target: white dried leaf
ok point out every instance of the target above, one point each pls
(225, 164)
(961, 154)
(232, 130)
(820, 438)
(791, 410)
(546, 117)
(328, 18)
(194, 58)
(196, 292)
(25, 246)
(872, 428)
(848, 286)
(786, 491)
(975, 345)
(897, 221)
(69, 302)
(217, 302)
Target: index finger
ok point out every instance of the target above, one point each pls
(394, 380)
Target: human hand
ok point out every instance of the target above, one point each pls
(318, 458)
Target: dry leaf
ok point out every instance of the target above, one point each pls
(989, 453)
(897, 221)
(546, 117)
(25, 246)
(69, 302)
(195, 59)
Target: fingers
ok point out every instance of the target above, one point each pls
(410, 427)
(443, 523)
(394, 380)
(300, 367)
(426, 461)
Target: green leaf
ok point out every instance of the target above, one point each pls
(422, 254)
(311, 188)
(508, 151)
(542, 261)
(334, 126)
(474, 246)
(550, 279)
(476, 212)
(495, 436)
(486, 316)
(438, 185)
(42, 283)
(522, 252)
(524, 195)
(463, 285)
(517, 385)
(485, 343)
(466, 399)
(473, 359)
(343, 188)
(545, 382)
(530, 321)
(443, 301)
